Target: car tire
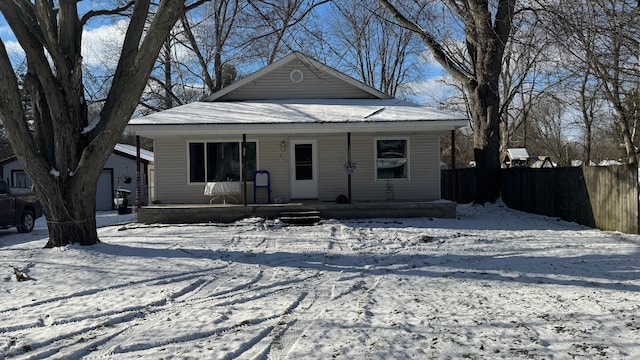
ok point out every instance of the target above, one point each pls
(27, 222)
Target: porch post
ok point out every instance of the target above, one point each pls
(244, 169)
(453, 166)
(138, 181)
(349, 165)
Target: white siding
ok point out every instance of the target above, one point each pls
(424, 170)
(278, 85)
(332, 156)
(423, 184)
(273, 159)
(171, 168)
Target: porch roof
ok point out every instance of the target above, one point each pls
(315, 115)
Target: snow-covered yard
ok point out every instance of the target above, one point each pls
(494, 283)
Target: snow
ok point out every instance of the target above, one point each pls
(493, 283)
(132, 151)
(297, 111)
(92, 125)
(518, 153)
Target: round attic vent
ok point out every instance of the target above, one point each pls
(296, 76)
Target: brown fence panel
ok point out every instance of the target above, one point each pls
(614, 197)
(463, 191)
(600, 197)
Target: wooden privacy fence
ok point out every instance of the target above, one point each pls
(601, 197)
(463, 190)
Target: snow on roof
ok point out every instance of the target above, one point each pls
(518, 153)
(609, 163)
(296, 111)
(131, 150)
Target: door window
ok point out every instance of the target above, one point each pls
(304, 161)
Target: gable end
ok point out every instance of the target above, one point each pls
(297, 77)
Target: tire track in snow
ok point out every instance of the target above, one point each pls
(161, 280)
(86, 323)
(103, 315)
(294, 324)
(178, 301)
(198, 336)
(234, 296)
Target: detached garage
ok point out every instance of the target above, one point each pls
(119, 172)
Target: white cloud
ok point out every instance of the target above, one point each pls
(101, 46)
(433, 91)
(14, 48)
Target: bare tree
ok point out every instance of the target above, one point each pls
(602, 36)
(191, 62)
(65, 153)
(280, 26)
(591, 105)
(487, 29)
(527, 74)
(374, 50)
(204, 52)
(548, 128)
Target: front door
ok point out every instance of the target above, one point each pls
(304, 169)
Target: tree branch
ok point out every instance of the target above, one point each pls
(436, 48)
(95, 13)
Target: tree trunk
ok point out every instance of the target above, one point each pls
(69, 204)
(487, 29)
(504, 134)
(626, 137)
(82, 232)
(64, 158)
(485, 104)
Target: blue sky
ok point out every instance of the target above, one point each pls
(101, 38)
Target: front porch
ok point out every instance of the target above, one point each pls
(204, 213)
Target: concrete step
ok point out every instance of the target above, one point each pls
(301, 217)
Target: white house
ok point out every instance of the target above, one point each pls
(119, 172)
(317, 132)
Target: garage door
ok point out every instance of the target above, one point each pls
(104, 194)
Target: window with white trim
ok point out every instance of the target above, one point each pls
(220, 161)
(21, 179)
(392, 161)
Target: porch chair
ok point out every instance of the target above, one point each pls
(261, 179)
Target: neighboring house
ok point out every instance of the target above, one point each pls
(542, 162)
(119, 172)
(519, 157)
(516, 157)
(301, 121)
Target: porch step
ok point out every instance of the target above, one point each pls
(300, 217)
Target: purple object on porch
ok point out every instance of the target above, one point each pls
(261, 179)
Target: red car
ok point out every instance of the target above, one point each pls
(19, 208)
